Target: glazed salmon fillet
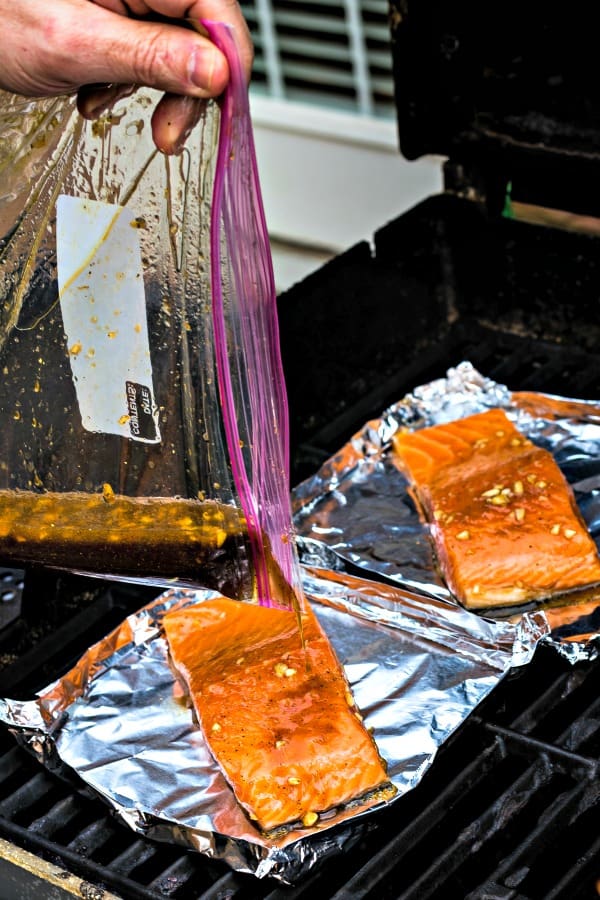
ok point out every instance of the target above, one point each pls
(279, 720)
(504, 521)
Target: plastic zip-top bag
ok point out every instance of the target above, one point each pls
(114, 456)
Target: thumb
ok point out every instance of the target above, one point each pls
(105, 47)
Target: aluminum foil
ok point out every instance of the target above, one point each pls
(355, 513)
(417, 665)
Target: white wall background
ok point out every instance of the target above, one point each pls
(330, 179)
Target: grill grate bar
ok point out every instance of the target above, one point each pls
(581, 729)
(526, 364)
(503, 370)
(544, 369)
(530, 717)
(92, 837)
(174, 877)
(589, 377)
(58, 816)
(224, 888)
(133, 857)
(584, 870)
(553, 752)
(27, 795)
(549, 824)
(314, 884)
(10, 763)
(564, 713)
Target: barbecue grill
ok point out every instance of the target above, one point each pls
(509, 809)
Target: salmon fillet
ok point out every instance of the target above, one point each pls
(504, 521)
(279, 720)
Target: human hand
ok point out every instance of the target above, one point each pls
(104, 48)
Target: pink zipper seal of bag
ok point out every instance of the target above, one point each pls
(246, 333)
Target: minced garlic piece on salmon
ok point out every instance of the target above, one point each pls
(288, 740)
(504, 520)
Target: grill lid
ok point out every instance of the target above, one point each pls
(508, 90)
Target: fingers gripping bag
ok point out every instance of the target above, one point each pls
(119, 401)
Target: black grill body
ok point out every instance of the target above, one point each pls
(444, 282)
(509, 809)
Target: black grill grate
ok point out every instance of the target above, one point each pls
(519, 362)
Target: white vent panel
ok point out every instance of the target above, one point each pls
(328, 54)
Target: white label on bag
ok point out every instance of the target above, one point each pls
(103, 305)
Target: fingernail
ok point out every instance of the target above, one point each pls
(201, 67)
(100, 100)
(179, 143)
